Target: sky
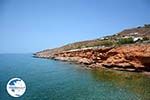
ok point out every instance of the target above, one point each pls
(28, 26)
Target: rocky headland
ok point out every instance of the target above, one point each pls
(128, 50)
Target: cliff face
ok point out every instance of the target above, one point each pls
(133, 57)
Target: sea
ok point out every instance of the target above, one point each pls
(48, 79)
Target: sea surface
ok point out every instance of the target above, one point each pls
(55, 80)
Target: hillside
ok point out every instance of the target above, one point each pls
(127, 36)
(128, 50)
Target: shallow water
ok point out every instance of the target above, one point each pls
(55, 80)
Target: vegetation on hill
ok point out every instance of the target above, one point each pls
(125, 40)
(127, 36)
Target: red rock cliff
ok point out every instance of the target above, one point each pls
(134, 57)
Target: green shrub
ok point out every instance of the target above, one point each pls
(147, 25)
(107, 43)
(145, 38)
(125, 40)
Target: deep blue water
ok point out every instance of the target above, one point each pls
(55, 80)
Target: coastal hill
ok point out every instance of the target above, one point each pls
(127, 50)
(127, 36)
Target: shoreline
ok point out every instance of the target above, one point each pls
(131, 58)
(98, 68)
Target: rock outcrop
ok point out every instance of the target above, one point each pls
(131, 57)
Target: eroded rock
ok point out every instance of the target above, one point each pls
(133, 57)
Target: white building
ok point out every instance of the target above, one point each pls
(137, 38)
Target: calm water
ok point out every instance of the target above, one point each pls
(55, 80)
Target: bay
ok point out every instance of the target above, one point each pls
(55, 80)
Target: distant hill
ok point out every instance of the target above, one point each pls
(139, 31)
(135, 35)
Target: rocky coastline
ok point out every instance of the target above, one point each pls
(128, 50)
(131, 57)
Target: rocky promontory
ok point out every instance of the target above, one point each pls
(134, 57)
(128, 50)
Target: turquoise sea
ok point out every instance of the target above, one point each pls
(55, 80)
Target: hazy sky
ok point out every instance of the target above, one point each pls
(33, 25)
